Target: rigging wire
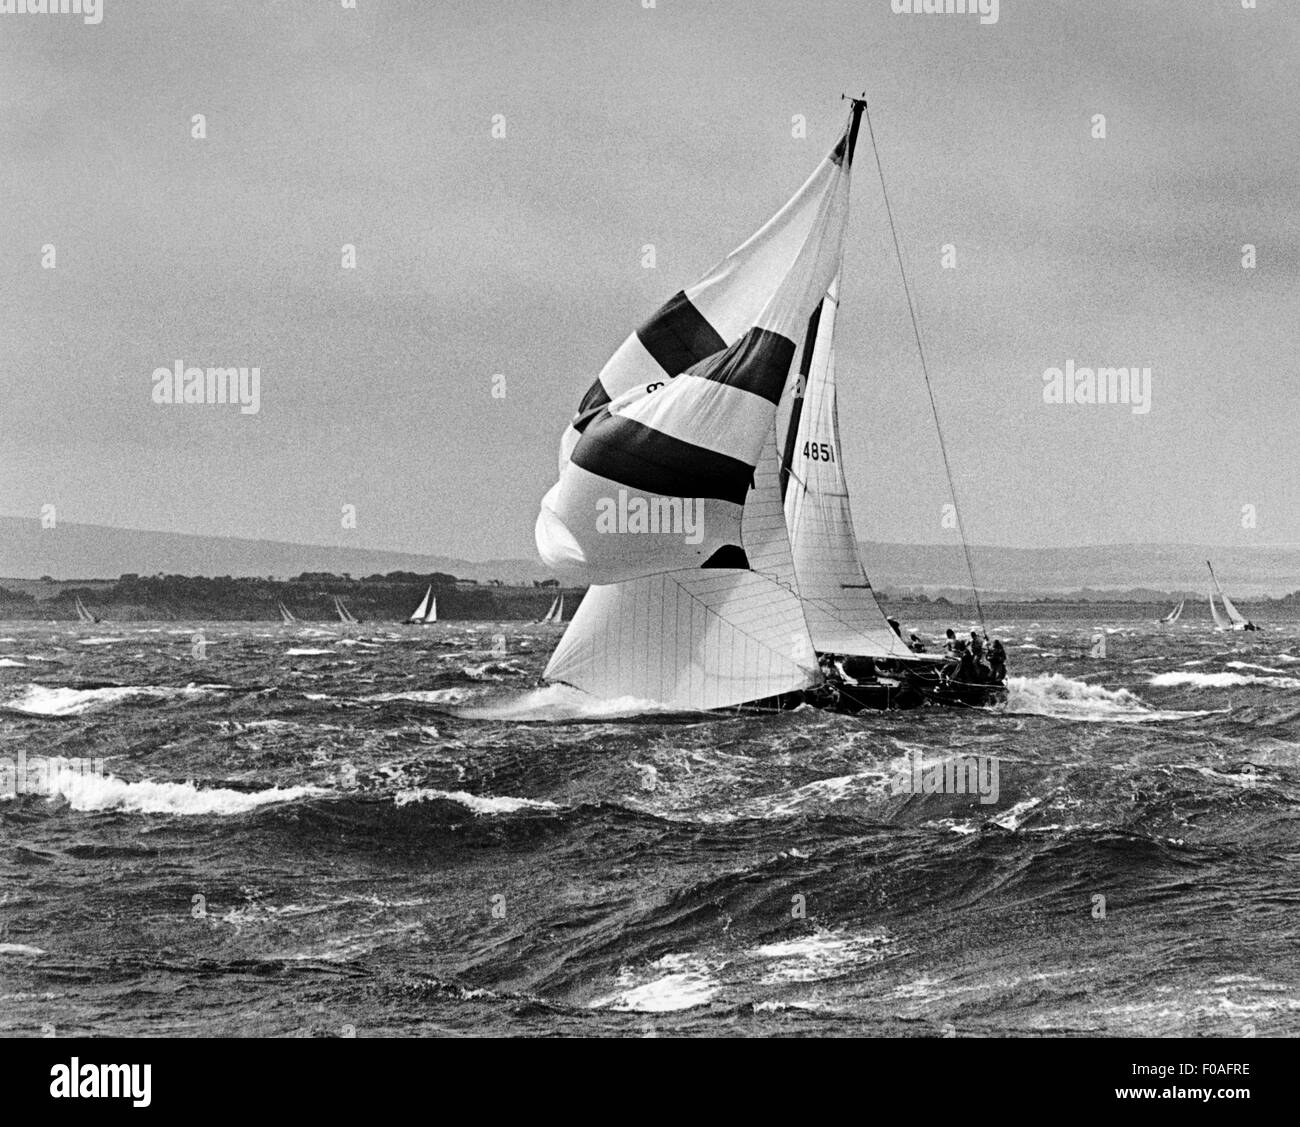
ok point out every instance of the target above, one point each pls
(920, 349)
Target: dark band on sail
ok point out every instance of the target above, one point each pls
(640, 457)
(796, 408)
(758, 362)
(678, 336)
(596, 398)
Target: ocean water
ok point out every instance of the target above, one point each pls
(383, 830)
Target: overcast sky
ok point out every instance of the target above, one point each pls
(522, 255)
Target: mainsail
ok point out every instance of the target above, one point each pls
(83, 615)
(556, 613)
(668, 498)
(344, 614)
(1177, 613)
(285, 617)
(840, 606)
(421, 612)
(1236, 620)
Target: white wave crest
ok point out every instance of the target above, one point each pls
(43, 700)
(689, 982)
(479, 803)
(560, 702)
(92, 793)
(1064, 698)
(1222, 680)
(821, 955)
(421, 696)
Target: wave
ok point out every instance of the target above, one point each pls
(479, 803)
(1064, 698)
(821, 955)
(306, 651)
(1249, 665)
(492, 671)
(43, 700)
(1222, 680)
(9, 663)
(97, 793)
(19, 949)
(560, 702)
(417, 696)
(689, 982)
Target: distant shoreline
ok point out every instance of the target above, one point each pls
(309, 597)
(391, 598)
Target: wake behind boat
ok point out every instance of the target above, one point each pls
(701, 493)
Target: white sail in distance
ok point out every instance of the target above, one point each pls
(1175, 614)
(1236, 620)
(419, 613)
(681, 423)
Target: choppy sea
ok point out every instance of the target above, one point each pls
(383, 830)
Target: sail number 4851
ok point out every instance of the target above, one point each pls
(819, 451)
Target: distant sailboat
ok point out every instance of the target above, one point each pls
(713, 431)
(345, 615)
(1235, 620)
(1175, 614)
(286, 617)
(556, 613)
(83, 615)
(427, 611)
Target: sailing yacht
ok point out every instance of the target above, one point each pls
(345, 615)
(1235, 620)
(286, 617)
(1175, 614)
(427, 611)
(556, 613)
(701, 494)
(83, 615)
